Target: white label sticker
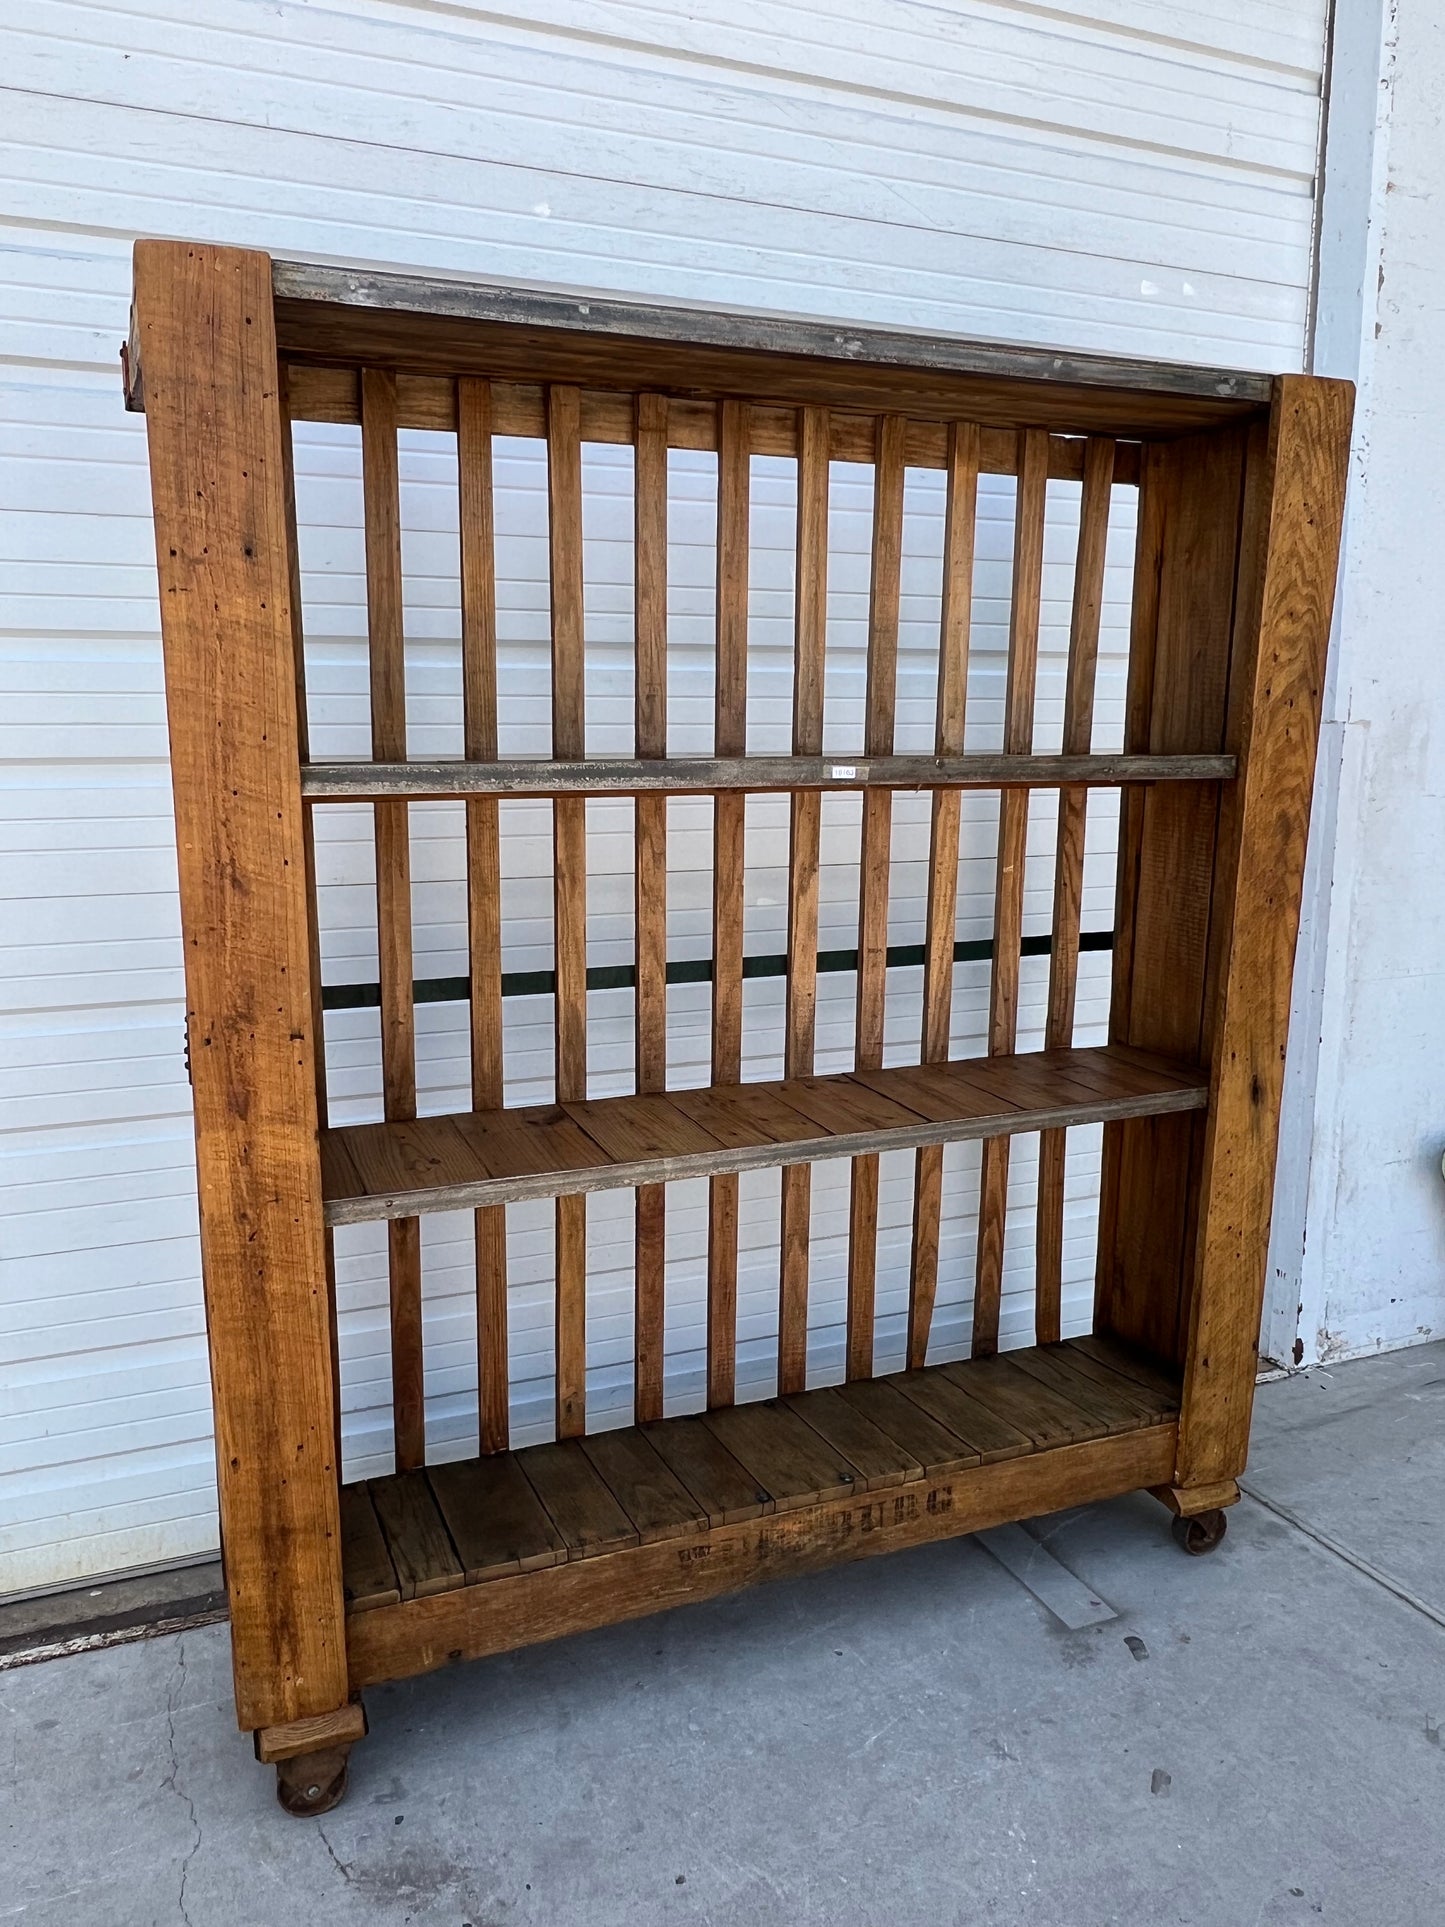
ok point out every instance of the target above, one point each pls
(845, 771)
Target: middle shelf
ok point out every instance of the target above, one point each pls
(475, 1159)
(352, 782)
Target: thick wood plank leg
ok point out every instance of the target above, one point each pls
(204, 336)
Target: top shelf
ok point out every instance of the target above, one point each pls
(428, 324)
(678, 776)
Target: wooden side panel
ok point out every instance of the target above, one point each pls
(569, 890)
(1069, 864)
(810, 622)
(875, 863)
(729, 739)
(1013, 822)
(650, 871)
(960, 520)
(1191, 494)
(484, 890)
(1293, 507)
(204, 329)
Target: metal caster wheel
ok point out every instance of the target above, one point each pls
(312, 1783)
(1200, 1533)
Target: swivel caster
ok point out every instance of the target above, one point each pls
(1201, 1532)
(312, 1783)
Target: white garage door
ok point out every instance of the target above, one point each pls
(1134, 176)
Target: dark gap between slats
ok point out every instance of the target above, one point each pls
(696, 970)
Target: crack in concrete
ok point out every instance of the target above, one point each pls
(172, 1779)
(340, 1865)
(1362, 1566)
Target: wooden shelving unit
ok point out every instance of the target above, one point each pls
(1240, 480)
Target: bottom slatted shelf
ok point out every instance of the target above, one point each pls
(489, 1553)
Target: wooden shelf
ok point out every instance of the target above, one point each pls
(481, 1158)
(725, 1497)
(449, 327)
(625, 776)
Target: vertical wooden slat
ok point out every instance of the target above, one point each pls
(308, 831)
(873, 876)
(960, 517)
(650, 902)
(381, 502)
(730, 739)
(204, 328)
(1069, 864)
(569, 843)
(1018, 733)
(809, 644)
(484, 903)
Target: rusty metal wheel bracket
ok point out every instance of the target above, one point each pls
(1201, 1532)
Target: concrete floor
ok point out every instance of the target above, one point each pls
(1254, 1739)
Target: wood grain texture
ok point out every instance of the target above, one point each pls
(608, 415)
(1088, 606)
(323, 1730)
(581, 1507)
(205, 336)
(308, 828)
(656, 1501)
(1184, 597)
(730, 716)
(484, 894)
(494, 1518)
(399, 1641)
(810, 624)
(941, 922)
(697, 775)
(1018, 731)
(874, 866)
(569, 888)
(422, 1553)
(381, 500)
(343, 314)
(650, 879)
(377, 1171)
(369, 1577)
(1293, 509)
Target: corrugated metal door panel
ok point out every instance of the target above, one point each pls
(1127, 177)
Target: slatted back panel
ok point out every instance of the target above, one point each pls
(906, 542)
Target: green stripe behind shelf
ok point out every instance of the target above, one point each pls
(695, 970)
